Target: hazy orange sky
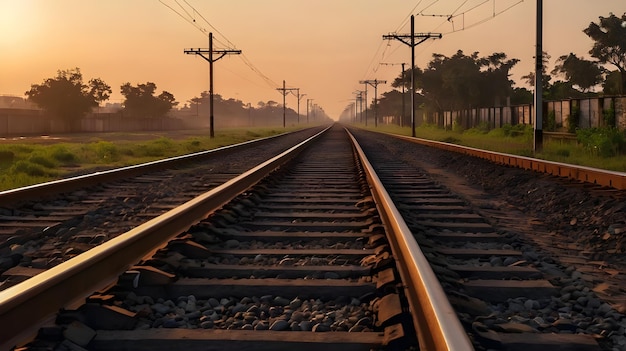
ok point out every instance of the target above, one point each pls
(323, 47)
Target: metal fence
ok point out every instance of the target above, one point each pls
(594, 112)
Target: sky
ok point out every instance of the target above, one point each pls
(322, 47)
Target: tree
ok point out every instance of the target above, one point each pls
(463, 81)
(545, 78)
(561, 90)
(521, 96)
(141, 102)
(610, 43)
(579, 72)
(67, 97)
(495, 84)
(612, 83)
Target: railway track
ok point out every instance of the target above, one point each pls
(46, 224)
(304, 250)
(512, 285)
(307, 250)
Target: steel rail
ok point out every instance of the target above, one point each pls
(39, 297)
(437, 325)
(73, 183)
(607, 178)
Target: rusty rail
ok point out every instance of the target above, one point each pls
(437, 325)
(606, 178)
(43, 295)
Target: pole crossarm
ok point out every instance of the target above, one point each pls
(286, 91)
(406, 38)
(373, 82)
(221, 53)
(392, 64)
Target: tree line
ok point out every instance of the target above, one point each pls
(67, 97)
(469, 81)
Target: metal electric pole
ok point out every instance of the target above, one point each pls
(284, 91)
(402, 117)
(538, 135)
(411, 42)
(211, 59)
(374, 83)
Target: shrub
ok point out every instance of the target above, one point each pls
(457, 126)
(6, 156)
(105, 151)
(62, 154)
(481, 128)
(550, 122)
(573, 120)
(28, 168)
(563, 152)
(609, 116)
(517, 130)
(42, 161)
(604, 142)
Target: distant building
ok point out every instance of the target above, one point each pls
(16, 102)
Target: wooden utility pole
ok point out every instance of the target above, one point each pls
(284, 91)
(299, 97)
(357, 99)
(374, 83)
(211, 59)
(411, 43)
(365, 99)
(308, 101)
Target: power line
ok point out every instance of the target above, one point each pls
(495, 14)
(190, 17)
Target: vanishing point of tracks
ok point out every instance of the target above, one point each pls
(313, 256)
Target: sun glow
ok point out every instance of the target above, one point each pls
(17, 22)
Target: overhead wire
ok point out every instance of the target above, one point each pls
(495, 14)
(221, 39)
(449, 18)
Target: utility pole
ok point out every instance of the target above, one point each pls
(360, 98)
(284, 91)
(357, 99)
(374, 83)
(402, 117)
(211, 59)
(308, 102)
(538, 135)
(411, 42)
(299, 97)
(365, 84)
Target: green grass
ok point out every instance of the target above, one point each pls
(517, 140)
(23, 164)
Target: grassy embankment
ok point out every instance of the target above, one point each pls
(26, 163)
(518, 140)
